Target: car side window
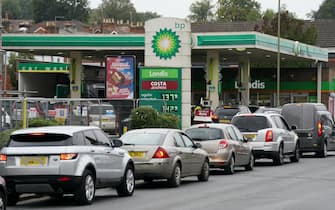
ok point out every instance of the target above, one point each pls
(78, 139)
(188, 142)
(231, 134)
(277, 121)
(326, 121)
(102, 138)
(284, 123)
(178, 140)
(90, 138)
(238, 133)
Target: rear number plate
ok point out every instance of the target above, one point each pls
(136, 154)
(33, 160)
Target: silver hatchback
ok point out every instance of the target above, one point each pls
(65, 160)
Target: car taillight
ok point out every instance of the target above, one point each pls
(319, 128)
(3, 157)
(214, 117)
(68, 156)
(223, 144)
(64, 179)
(269, 136)
(161, 153)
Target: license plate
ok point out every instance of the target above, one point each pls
(136, 154)
(224, 121)
(105, 120)
(250, 136)
(33, 161)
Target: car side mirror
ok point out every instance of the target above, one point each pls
(245, 140)
(117, 143)
(197, 145)
(293, 127)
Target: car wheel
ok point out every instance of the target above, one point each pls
(2, 200)
(279, 157)
(127, 185)
(251, 163)
(204, 175)
(12, 199)
(230, 169)
(323, 152)
(175, 179)
(86, 192)
(296, 156)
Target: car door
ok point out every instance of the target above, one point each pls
(196, 158)
(113, 157)
(237, 146)
(285, 132)
(244, 146)
(183, 153)
(328, 129)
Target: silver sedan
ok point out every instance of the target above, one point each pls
(165, 154)
(225, 145)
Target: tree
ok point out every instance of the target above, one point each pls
(70, 9)
(17, 9)
(144, 16)
(326, 10)
(117, 9)
(290, 27)
(238, 10)
(201, 11)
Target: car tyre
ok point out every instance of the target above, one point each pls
(204, 175)
(127, 185)
(250, 165)
(230, 169)
(86, 192)
(2, 200)
(279, 156)
(296, 156)
(12, 199)
(323, 152)
(175, 179)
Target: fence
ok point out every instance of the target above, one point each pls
(110, 115)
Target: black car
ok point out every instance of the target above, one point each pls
(224, 114)
(3, 194)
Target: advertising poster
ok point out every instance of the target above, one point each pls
(120, 77)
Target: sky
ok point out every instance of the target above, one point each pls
(180, 8)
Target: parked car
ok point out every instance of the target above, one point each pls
(60, 160)
(226, 113)
(269, 136)
(3, 194)
(264, 109)
(103, 116)
(34, 110)
(314, 126)
(165, 154)
(225, 145)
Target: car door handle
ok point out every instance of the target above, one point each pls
(92, 150)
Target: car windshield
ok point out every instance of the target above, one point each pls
(226, 112)
(105, 110)
(250, 123)
(143, 138)
(204, 134)
(39, 139)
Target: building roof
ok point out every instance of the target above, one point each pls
(326, 31)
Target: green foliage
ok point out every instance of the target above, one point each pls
(38, 122)
(144, 16)
(4, 137)
(17, 9)
(117, 9)
(201, 11)
(326, 10)
(167, 120)
(143, 117)
(69, 9)
(290, 28)
(238, 10)
(147, 117)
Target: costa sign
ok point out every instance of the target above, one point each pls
(160, 85)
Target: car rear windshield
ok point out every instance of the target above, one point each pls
(226, 112)
(102, 110)
(143, 138)
(39, 139)
(250, 123)
(204, 134)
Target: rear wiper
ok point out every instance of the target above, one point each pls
(126, 144)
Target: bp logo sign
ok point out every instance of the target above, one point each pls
(165, 43)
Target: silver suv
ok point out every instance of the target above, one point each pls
(65, 160)
(269, 136)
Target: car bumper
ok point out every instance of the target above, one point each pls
(154, 169)
(43, 184)
(219, 160)
(265, 150)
